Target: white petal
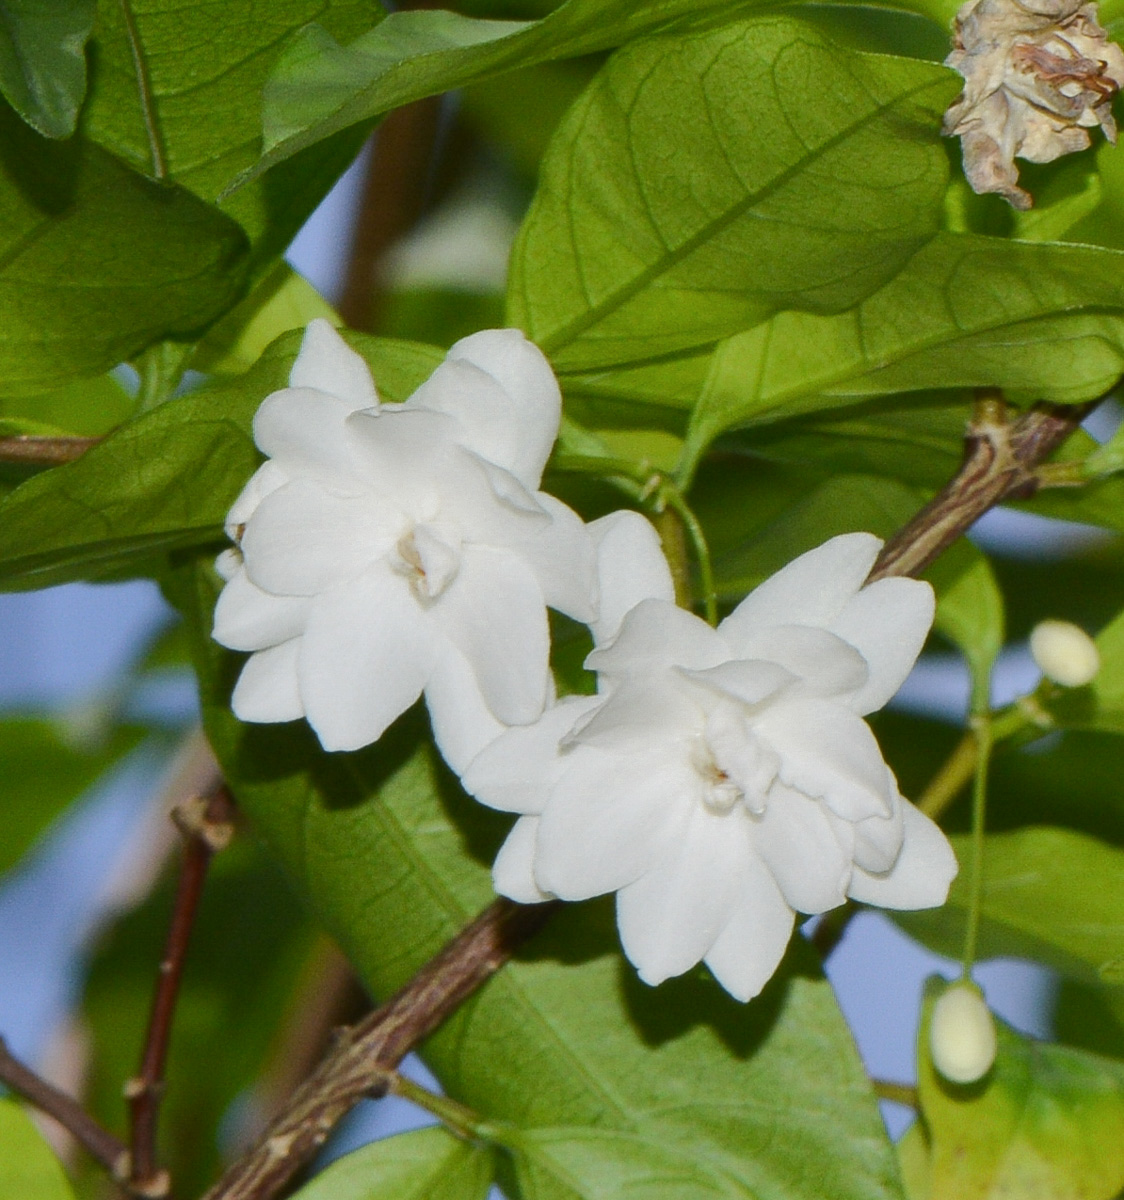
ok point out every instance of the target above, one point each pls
(246, 618)
(267, 478)
(658, 634)
(829, 753)
(922, 874)
(878, 840)
(609, 819)
(642, 714)
(811, 590)
(366, 655)
(462, 722)
(798, 844)
(749, 681)
(493, 612)
(564, 559)
(228, 564)
(513, 871)
(306, 430)
(304, 539)
(825, 664)
(326, 362)
(407, 457)
(503, 391)
(671, 917)
(887, 623)
(266, 690)
(630, 567)
(749, 949)
(517, 771)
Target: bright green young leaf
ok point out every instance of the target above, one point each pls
(165, 480)
(42, 771)
(29, 1168)
(97, 262)
(284, 300)
(771, 1094)
(1049, 894)
(81, 408)
(319, 87)
(43, 60)
(1047, 1123)
(250, 945)
(198, 121)
(428, 1164)
(701, 184)
(595, 1164)
(970, 612)
(1042, 321)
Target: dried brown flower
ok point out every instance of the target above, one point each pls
(1038, 74)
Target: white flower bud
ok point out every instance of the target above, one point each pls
(1064, 653)
(962, 1036)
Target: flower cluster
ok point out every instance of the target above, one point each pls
(1038, 74)
(720, 780)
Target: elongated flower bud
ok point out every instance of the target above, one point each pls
(962, 1036)
(1064, 653)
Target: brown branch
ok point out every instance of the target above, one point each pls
(1000, 462)
(205, 823)
(363, 1061)
(99, 1143)
(44, 451)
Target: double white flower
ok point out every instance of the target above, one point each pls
(720, 780)
(724, 780)
(389, 549)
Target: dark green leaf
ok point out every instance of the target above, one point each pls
(1049, 894)
(97, 262)
(429, 1164)
(29, 1169)
(165, 480)
(771, 1094)
(44, 767)
(205, 67)
(1046, 1122)
(701, 184)
(43, 60)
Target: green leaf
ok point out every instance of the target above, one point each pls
(97, 262)
(700, 185)
(165, 480)
(1047, 1122)
(428, 1164)
(970, 612)
(81, 408)
(29, 1169)
(594, 1164)
(1040, 321)
(771, 1094)
(43, 60)
(44, 767)
(319, 87)
(199, 118)
(1049, 894)
(251, 944)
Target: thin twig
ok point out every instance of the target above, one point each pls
(108, 1150)
(363, 1061)
(899, 1093)
(44, 451)
(205, 823)
(1000, 462)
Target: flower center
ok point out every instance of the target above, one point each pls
(719, 792)
(429, 559)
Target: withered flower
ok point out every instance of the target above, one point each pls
(1038, 74)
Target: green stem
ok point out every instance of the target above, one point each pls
(981, 727)
(461, 1119)
(673, 498)
(900, 1093)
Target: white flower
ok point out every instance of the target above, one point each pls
(1038, 74)
(387, 550)
(723, 780)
